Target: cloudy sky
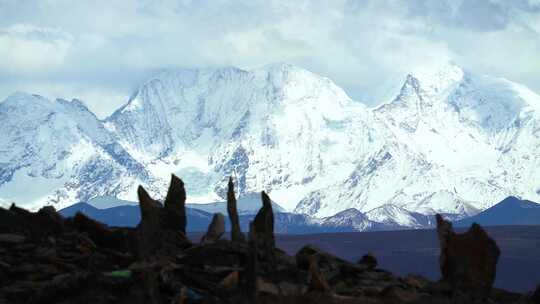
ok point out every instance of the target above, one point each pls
(100, 51)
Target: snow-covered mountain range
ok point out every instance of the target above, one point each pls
(450, 142)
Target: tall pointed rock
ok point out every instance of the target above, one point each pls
(161, 229)
(468, 260)
(236, 233)
(264, 226)
(175, 204)
(149, 227)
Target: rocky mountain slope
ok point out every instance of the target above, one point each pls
(450, 142)
(53, 152)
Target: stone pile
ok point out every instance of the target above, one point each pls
(45, 258)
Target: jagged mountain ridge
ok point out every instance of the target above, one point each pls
(450, 142)
(51, 150)
(273, 128)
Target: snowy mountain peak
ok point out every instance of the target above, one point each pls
(395, 215)
(437, 79)
(22, 101)
(62, 150)
(451, 142)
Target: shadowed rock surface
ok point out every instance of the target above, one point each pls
(162, 227)
(468, 260)
(264, 224)
(45, 258)
(175, 203)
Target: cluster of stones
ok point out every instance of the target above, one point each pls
(45, 258)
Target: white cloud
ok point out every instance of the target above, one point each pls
(364, 45)
(30, 49)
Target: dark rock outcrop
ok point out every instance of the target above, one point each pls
(79, 260)
(468, 261)
(236, 233)
(162, 227)
(263, 225)
(535, 298)
(175, 205)
(369, 260)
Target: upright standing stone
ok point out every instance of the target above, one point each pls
(175, 203)
(215, 229)
(236, 233)
(264, 224)
(149, 226)
(468, 261)
(162, 227)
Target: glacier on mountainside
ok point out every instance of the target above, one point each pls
(450, 142)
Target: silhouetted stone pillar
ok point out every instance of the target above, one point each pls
(468, 261)
(149, 227)
(215, 229)
(162, 228)
(175, 203)
(264, 224)
(236, 233)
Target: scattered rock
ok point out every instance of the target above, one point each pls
(369, 261)
(215, 229)
(317, 281)
(416, 281)
(79, 260)
(230, 281)
(397, 294)
(263, 286)
(328, 264)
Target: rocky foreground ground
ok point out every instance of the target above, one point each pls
(45, 258)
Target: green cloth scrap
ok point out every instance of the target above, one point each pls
(119, 273)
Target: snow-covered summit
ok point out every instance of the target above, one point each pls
(55, 152)
(273, 128)
(451, 142)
